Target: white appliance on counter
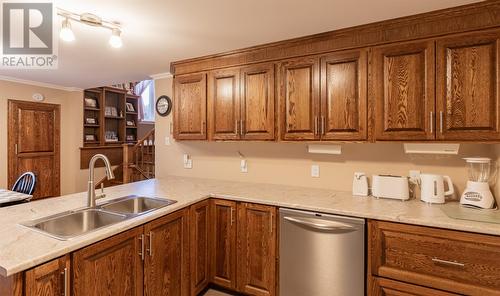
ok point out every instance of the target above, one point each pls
(321, 254)
(360, 184)
(478, 193)
(432, 188)
(388, 186)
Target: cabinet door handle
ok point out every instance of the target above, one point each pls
(432, 122)
(441, 121)
(241, 127)
(446, 262)
(232, 215)
(65, 276)
(150, 248)
(322, 124)
(271, 223)
(15, 149)
(236, 127)
(141, 253)
(315, 125)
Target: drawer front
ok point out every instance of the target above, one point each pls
(448, 260)
(386, 287)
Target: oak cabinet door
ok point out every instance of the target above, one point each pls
(224, 104)
(257, 249)
(387, 287)
(257, 102)
(403, 89)
(200, 230)
(223, 250)
(110, 267)
(166, 269)
(344, 96)
(299, 99)
(52, 278)
(190, 103)
(467, 87)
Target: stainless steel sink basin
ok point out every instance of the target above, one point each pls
(135, 205)
(67, 225)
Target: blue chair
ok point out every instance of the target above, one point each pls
(25, 183)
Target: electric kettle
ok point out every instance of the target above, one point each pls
(432, 188)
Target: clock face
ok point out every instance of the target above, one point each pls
(163, 105)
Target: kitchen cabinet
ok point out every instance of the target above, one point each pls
(257, 241)
(223, 243)
(257, 102)
(200, 235)
(166, 269)
(51, 278)
(343, 111)
(224, 104)
(190, 103)
(403, 91)
(386, 287)
(446, 260)
(468, 87)
(110, 267)
(299, 99)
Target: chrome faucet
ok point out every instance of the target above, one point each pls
(91, 197)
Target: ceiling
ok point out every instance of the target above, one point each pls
(157, 32)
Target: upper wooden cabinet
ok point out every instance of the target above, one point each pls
(257, 102)
(344, 96)
(52, 278)
(467, 87)
(224, 104)
(190, 116)
(403, 90)
(299, 99)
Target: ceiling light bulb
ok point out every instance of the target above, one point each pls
(116, 40)
(66, 33)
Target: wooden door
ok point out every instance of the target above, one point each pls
(223, 249)
(386, 287)
(110, 267)
(299, 99)
(403, 89)
(200, 235)
(34, 145)
(257, 249)
(166, 269)
(344, 96)
(52, 278)
(190, 103)
(224, 104)
(257, 102)
(467, 87)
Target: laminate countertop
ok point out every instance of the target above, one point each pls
(22, 248)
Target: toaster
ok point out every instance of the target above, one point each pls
(387, 186)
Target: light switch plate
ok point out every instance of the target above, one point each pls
(315, 171)
(188, 162)
(244, 166)
(167, 141)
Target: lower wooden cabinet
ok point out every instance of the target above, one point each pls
(110, 267)
(200, 220)
(257, 249)
(166, 269)
(52, 278)
(386, 287)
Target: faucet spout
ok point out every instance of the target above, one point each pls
(91, 197)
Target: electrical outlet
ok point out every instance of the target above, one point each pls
(315, 171)
(188, 162)
(244, 166)
(414, 176)
(167, 141)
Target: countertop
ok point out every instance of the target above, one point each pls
(22, 248)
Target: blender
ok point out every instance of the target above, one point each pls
(478, 194)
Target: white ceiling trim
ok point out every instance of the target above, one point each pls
(161, 75)
(40, 84)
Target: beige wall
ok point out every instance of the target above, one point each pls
(289, 163)
(72, 178)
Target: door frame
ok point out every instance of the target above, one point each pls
(12, 125)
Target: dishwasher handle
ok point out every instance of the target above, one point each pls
(325, 225)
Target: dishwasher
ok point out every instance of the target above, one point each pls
(321, 254)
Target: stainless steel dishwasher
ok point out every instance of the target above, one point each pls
(321, 254)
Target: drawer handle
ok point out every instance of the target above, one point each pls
(331, 226)
(446, 262)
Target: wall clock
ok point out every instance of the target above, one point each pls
(164, 105)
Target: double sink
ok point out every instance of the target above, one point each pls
(67, 225)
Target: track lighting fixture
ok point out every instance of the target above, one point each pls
(89, 19)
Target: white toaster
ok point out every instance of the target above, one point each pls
(387, 186)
